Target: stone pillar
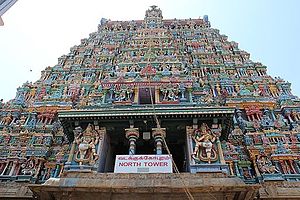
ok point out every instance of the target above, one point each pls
(158, 134)
(132, 134)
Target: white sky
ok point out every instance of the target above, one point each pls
(37, 32)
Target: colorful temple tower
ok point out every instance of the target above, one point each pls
(152, 87)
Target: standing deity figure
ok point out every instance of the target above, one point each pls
(204, 139)
(87, 142)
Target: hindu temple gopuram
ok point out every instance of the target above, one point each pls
(153, 108)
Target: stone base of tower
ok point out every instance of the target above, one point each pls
(14, 190)
(279, 190)
(144, 186)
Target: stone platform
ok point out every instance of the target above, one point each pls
(144, 186)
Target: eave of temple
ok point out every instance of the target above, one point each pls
(146, 112)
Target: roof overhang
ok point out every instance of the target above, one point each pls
(139, 112)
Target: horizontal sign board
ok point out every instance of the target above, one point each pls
(143, 164)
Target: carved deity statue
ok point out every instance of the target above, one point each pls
(7, 120)
(29, 167)
(204, 139)
(169, 93)
(265, 166)
(87, 141)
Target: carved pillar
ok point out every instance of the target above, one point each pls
(71, 154)
(56, 170)
(12, 168)
(136, 95)
(46, 174)
(276, 162)
(158, 134)
(27, 120)
(182, 91)
(2, 166)
(255, 165)
(288, 115)
(190, 95)
(212, 88)
(17, 168)
(132, 134)
(217, 132)
(38, 168)
(102, 148)
(156, 95)
(297, 163)
(283, 166)
(236, 168)
(5, 168)
(231, 168)
(110, 98)
(221, 156)
(104, 96)
(291, 162)
(61, 170)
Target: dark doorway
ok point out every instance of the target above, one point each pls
(145, 96)
(178, 155)
(145, 147)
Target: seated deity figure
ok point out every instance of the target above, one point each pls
(204, 138)
(172, 96)
(265, 165)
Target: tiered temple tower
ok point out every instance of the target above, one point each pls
(145, 87)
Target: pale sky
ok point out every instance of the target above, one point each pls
(37, 32)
